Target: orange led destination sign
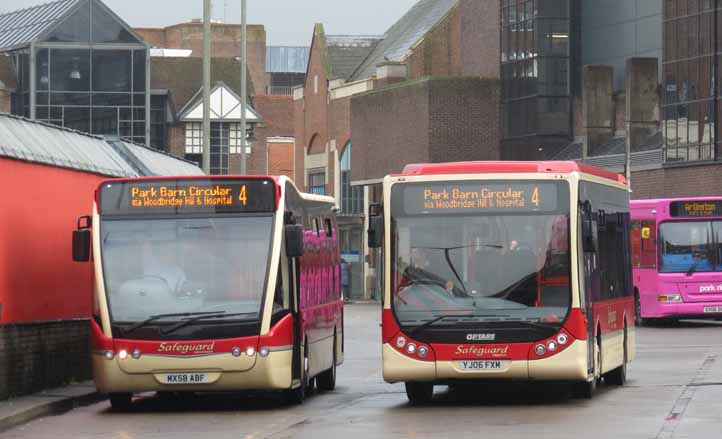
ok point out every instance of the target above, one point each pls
(457, 197)
(188, 196)
(696, 209)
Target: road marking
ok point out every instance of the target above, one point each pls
(674, 417)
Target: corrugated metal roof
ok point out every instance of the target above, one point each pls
(20, 27)
(37, 142)
(282, 59)
(346, 52)
(404, 34)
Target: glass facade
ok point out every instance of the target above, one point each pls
(158, 126)
(351, 196)
(691, 98)
(87, 74)
(535, 62)
(317, 182)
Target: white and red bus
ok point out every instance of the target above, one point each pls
(212, 284)
(677, 258)
(505, 271)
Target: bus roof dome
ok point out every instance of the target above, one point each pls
(503, 167)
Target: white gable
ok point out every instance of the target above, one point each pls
(225, 106)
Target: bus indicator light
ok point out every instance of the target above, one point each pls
(669, 298)
(109, 355)
(400, 342)
(562, 338)
(136, 353)
(123, 354)
(236, 351)
(423, 351)
(250, 351)
(540, 349)
(552, 346)
(411, 348)
(264, 351)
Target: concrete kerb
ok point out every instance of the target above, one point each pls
(21, 410)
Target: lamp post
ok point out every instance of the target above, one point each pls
(244, 92)
(206, 86)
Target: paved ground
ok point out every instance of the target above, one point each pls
(674, 390)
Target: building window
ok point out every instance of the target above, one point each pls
(535, 59)
(691, 98)
(194, 138)
(317, 182)
(158, 126)
(235, 138)
(351, 196)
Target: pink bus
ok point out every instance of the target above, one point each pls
(677, 258)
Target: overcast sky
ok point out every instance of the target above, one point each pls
(288, 22)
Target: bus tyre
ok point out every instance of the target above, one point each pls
(419, 393)
(618, 376)
(326, 381)
(638, 319)
(297, 395)
(121, 402)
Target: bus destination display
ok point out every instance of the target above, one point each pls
(188, 196)
(480, 197)
(696, 209)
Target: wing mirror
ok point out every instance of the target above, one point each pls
(376, 226)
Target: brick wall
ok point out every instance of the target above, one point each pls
(391, 129)
(686, 181)
(5, 101)
(465, 119)
(299, 132)
(177, 140)
(280, 159)
(38, 356)
(480, 43)
(226, 44)
(439, 53)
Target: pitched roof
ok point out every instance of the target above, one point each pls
(37, 142)
(183, 77)
(224, 105)
(404, 34)
(346, 53)
(24, 25)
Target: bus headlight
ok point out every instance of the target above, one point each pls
(264, 351)
(562, 338)
(423, 351)
(411, 348)
(123, 354)
(109, 355)
(250, 351)
(236, 351)
(540, 350)
(136, 353)
(552, 346)
(400, 342)
(669, 298)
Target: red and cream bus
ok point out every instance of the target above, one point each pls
(505, 271)
(212, 284)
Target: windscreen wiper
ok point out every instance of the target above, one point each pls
(438, 318)
(191, 320)
(692, 268)
(152, 319)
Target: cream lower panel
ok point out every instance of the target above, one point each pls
(221, 362)
(397, 367)
(631, 344)
(320, 355)
(269, 373)
(568, 365)
(339, 349)
(612, 350)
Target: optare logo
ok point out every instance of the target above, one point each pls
(481, 337)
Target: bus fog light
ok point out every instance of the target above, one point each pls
(400, 342)
(264, 351)
(552, 346)
(540, 349)
(423, 351)
(109, 355)
(250, 351)
(123, 354)
(236, 351)
(411, 348)
(135, 354)
(562, 339)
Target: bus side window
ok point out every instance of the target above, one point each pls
(637, 243)
(649, 245)
(317, 226)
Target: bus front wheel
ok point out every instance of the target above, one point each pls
(326, 381)
(419, 393)
(121, 401)
(638, 319)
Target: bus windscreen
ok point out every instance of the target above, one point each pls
(179, 197)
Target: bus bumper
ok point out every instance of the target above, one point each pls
(682, 310)
(568, 365)
(268, 373)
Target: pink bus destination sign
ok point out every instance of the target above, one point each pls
(177, 197)
(695, 209)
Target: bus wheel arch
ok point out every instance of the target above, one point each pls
(638, 319)
(326, 380)
(618, 376)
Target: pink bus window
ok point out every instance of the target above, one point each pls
(644, 244)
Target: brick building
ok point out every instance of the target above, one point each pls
(372, 103)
